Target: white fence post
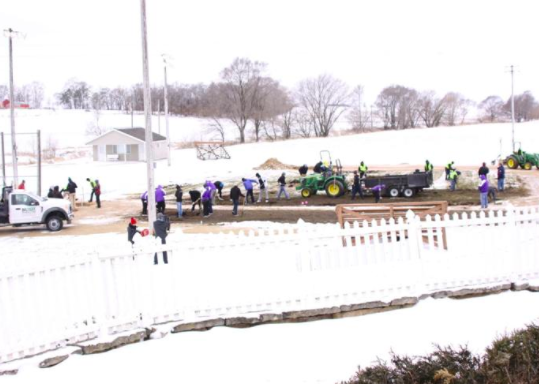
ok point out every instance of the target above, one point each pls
(415, 245)
(513, 242)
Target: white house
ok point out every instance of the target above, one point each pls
(127, 144)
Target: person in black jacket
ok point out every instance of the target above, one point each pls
(235, 194)
(56, 194)
(483, 170)
(282, 187)
(71, 190)
(303, 170)
(179, 200)
(356, 186)
(132, 230)
(320, 168)
(195, 199)
(160, 228)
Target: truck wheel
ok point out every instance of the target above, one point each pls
(393, 192)
(408, 192)
(528, 166)
(54, 223)
(306, 193)
(512, 163)
(334, 189)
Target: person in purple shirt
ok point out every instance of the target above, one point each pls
(213, 191)
(160, 199)
(144, 200)
(206, 201)
(377, 191)
(248, 184)
(483, 191)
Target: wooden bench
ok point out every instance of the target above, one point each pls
(113, 157)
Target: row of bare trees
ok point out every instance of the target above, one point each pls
(259, 107)
(495, 109)
(400, 107)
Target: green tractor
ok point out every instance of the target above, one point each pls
(523, 160)
(331, 180)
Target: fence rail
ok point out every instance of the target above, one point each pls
(49, 301)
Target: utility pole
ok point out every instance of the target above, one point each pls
(39, 162)
(166, 109)
(10, 33)
(132, 106)
(513, 106)
(3, 160)
(159, 116)
(148, 115)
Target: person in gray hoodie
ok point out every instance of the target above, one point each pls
(160, 228)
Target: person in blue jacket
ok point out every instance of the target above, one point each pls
(248, 185)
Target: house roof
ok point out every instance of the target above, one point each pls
(140, 133)
(136, 133)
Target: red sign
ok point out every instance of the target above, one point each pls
(5, 103)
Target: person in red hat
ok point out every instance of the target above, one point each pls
(132, 230)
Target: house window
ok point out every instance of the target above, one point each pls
(112, 150)
(128, 150)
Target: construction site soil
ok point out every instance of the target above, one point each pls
(114, 215)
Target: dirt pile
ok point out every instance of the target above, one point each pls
(274, 164)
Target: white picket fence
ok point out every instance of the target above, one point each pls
(50, 301)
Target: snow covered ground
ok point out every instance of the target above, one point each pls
(316, 352)
(466, 145)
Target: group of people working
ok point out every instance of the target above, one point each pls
(70, 192)
(205, 199)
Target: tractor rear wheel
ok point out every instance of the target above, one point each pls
(528, 166)
(306, 193)
(512, 163)
(334, 189)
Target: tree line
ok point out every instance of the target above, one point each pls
(258, 105)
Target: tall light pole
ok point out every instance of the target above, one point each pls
(166, 108)
(10, 33)
(148, 115)
(513, 106)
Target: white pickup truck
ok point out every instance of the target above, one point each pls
(19, 207)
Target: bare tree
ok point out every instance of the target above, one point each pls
(398, 107)
(325, 99)
(431, 109)
(492, 107)
(216, 127)
(241, 81)
(270, 101)
(286, 122)
(303, 122)
(359, 116)
(524, 105)
(456, 108)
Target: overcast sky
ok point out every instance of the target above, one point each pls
(442, 45)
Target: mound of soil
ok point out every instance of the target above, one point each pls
(274, 164)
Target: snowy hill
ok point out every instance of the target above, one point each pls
(466, 145)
